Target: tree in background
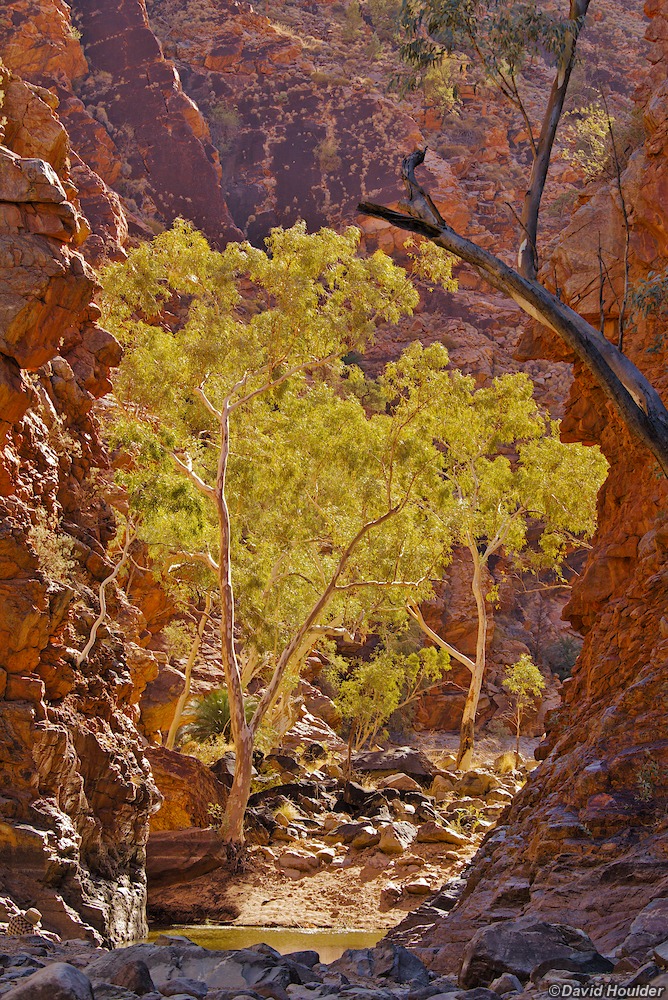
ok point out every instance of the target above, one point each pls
(524, 682)
(370, 692)
(254, 457)
(550, 486)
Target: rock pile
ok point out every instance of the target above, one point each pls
(515, 959)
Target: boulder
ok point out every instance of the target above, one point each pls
(367, 837)
(418, 887)
(298, 861)
(59, 981)
(402, 760)
(122, 967)
(477, 783)
(524, 946)
(402, 782)
(648, 929)
(107, 991)
(386, 962)
(396, 837)
(660, 954)
(188, 788)
(505, 763)
(174, 856)
(192, 987)
(434, 833)
(442, 786)
(507, 983)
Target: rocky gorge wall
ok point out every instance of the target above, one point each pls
(76, 792)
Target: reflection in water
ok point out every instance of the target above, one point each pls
(330, 944)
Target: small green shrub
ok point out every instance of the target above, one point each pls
(328, 155)
(562, 654)
(212, 716)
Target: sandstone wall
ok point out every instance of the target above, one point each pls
(76, 792)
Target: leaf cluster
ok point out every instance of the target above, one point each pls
(502, 36)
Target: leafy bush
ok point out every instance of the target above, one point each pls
(54, 549)
(212, 716)
(562, 654)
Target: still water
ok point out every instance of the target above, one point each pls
(330, 944)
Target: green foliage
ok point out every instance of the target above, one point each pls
(432, 263)
(353, 24)
(587, 137)
(551, 486)
(562, 654)
(650, 776)
(650, 297)
(309, 466)
(502, 35)
(327, 154)
(179, 637)
(385, 15)
(369, 692)
(523, 680)
(440, 86)
(597, 142)
(212, 717)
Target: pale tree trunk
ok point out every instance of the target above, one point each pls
(518, 729)
(185, 694)
(242, 736)
(467, 731)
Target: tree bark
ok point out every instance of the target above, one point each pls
(634, 398)
(467, 731)
(192, 656)
(242, 735)
(528, 253)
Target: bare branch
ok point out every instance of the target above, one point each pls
(130, 536)
(187, 469)
(415, 613)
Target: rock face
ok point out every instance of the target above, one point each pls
(586, 840)
(75, 791)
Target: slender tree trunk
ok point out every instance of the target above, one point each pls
(242, 735)
(467, 731)
(528, 254)
(185, 694)
(518, 727)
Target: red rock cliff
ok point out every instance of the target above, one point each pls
(76, 792)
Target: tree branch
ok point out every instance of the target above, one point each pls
(634, 398)
(187, 469)
(271, 691)
(415, 613)
(129, 539)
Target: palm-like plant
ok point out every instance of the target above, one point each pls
(212, 716)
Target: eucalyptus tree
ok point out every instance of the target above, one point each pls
(253, 455)
(508, 472)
